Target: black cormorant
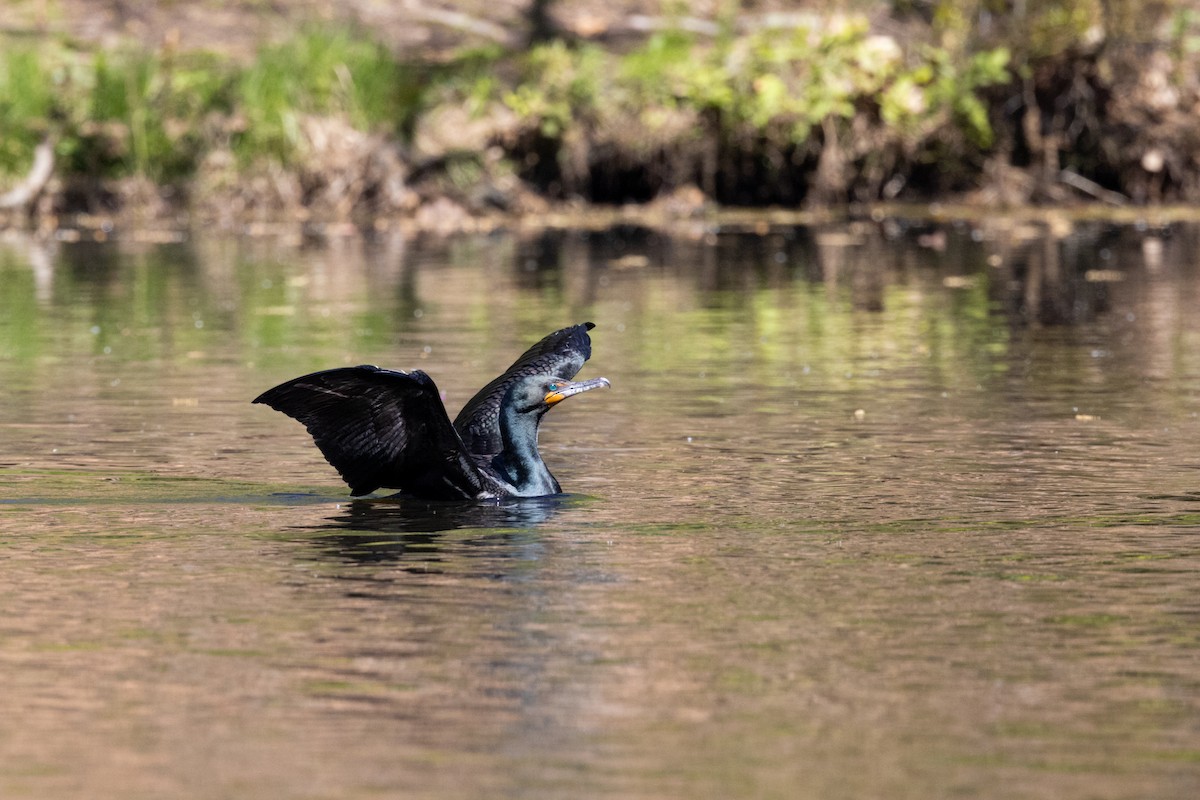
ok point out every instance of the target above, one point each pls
(383, 428)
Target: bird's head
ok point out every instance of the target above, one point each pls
(536, 394)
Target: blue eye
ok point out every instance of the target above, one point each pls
(554, 387)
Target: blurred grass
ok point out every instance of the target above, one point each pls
(318, 72)
(155, 113)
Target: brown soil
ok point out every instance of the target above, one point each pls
(1120, 113)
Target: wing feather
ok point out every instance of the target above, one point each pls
(381, 428)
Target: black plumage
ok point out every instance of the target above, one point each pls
(561, 354)
(385, 428)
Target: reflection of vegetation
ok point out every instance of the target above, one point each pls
(950, 341)
(19, 319)
(123, 307)
(760, 314)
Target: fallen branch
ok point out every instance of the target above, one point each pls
(643, 23)
(25, 192)
(646, 23)
(460, 21)
(1090, 187)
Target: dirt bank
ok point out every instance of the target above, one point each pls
(509, 110)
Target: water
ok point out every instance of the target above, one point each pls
(869, 511)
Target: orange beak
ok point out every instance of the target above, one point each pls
(567, 388)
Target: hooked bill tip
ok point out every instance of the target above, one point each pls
(568, 389)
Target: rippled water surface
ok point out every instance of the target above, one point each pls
(869, 511)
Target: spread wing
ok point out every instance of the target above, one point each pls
(381, 428)
(560, 354)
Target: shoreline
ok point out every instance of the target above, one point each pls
(1059, 220)
(818, 115)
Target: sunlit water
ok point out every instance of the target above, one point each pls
(872, 511)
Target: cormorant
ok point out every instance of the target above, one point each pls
(383, 428)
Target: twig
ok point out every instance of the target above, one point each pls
(643, 23)
(1090, 187)
(646, 23)
(459, 21)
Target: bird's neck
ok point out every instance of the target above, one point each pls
(519, 462)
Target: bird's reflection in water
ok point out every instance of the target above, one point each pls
(405, 530)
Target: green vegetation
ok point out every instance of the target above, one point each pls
(821, 109)
(775, 87)
(27, 100)
(155, 114)
(324, 74)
